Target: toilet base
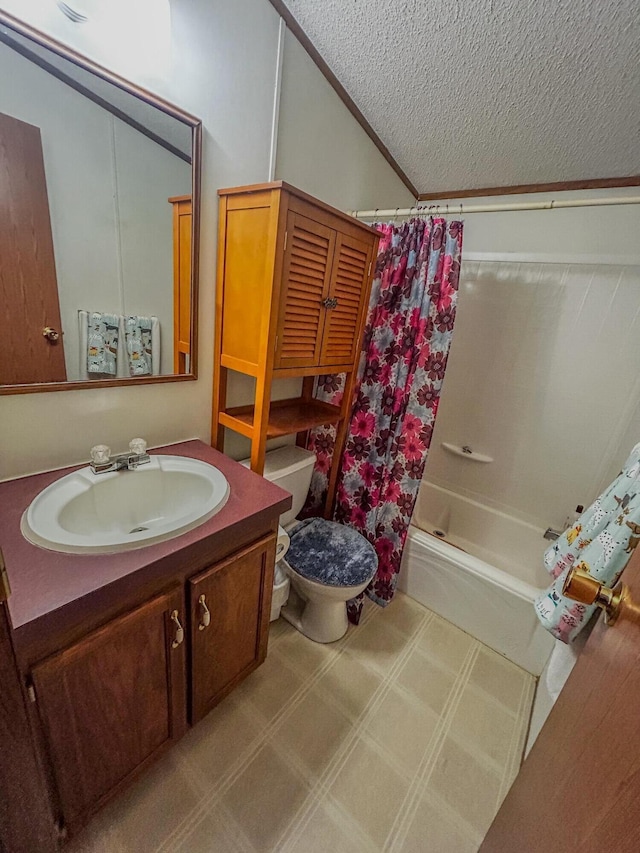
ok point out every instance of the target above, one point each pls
(321, 621)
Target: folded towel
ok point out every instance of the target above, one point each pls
(600, 542)
(142, 336)
(102, 343)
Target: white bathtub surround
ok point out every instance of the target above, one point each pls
(484, 578)
(534, 345)
(404, 735)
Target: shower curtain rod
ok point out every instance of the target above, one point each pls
(461, 209)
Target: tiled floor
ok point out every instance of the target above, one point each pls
(403, 736)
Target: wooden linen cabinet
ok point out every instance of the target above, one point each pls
(294, 277)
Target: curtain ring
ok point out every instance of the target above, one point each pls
(460, 210)
(395, 218)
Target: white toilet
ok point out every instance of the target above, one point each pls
(327, 563)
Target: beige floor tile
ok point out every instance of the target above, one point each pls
(329, 832)
(313, 733)
(377, 645)
(98, 837)
(485, 726)
(211, 835)
(404, 728)
(303, 655)
(370, 790)
(433, 831)
(145, 814)
(465, 785)
(280, 628)
(445, 643)
(350, 684)
(219, 740)
(404, 614)
(265, 798)
(428, 682)
(270, 687)
(499, 677)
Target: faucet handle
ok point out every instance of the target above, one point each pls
(138, 445)
(100, 454)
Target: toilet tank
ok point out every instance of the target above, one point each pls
(290, 468)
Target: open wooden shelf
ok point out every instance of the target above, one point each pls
(286, 416)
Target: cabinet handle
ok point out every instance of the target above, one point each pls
(205, 617)
(179, 637)
(330, 302)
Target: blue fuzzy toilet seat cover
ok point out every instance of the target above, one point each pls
(330, 553)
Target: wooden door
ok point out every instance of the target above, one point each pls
(28, 283)
(579, 788)
(349, 290)
(26, 819)
(181, 284)
(305, 287)
(112, 701)
(230, 605)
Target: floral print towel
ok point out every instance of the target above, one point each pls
(600, 542)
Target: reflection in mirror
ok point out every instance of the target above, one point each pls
(97, 226)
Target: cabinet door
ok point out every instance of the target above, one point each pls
(349, 288)
(230, 604)
(181, 285)
(110, 702)
(305, 286)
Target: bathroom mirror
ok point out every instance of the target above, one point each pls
(99, 210)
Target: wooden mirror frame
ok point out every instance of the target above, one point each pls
(195, 124)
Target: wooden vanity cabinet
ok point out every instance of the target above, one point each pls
(112, 701)
(230, 605)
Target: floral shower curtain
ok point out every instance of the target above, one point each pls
(406, 344)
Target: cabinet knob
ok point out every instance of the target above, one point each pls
(205, 615)
(330, 302)
(179, 635)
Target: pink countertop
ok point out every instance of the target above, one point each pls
(43, 581)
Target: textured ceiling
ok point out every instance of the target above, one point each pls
(489, 92)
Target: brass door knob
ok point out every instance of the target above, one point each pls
(580, 586)
(52, 335)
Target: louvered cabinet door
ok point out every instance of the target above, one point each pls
(305, 286)
(349, 291)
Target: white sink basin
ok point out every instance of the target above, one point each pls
(87, 513)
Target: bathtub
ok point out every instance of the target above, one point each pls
(482, 576)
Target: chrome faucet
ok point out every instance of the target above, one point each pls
(102, 461)
(552, 534)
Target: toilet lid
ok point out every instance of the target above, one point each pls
(331, 553)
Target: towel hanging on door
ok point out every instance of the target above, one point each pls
(600, 542)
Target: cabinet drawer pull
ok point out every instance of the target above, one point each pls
(205, 615)
(179, 637)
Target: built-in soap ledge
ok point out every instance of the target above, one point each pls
(466, 452)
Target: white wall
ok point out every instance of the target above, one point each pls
(108, 187)
(321, 149)
(224, 63)
(542, 373)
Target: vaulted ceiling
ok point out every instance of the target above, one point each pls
(488, 93)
